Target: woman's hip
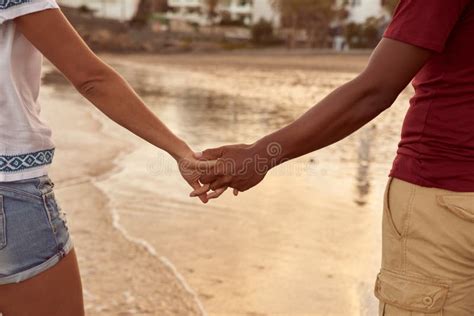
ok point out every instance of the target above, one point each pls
(33, 232)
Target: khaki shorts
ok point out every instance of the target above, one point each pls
(427, 252)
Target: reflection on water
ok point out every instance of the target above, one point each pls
(208, 110)
(304, 242)
(363, 165)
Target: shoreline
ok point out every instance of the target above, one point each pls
(116, 167)
(102, 243)
(260, 255)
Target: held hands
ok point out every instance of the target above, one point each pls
(240, 167)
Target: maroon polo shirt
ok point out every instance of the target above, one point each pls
(437, 145)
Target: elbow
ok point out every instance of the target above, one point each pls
(382, 98)
(91, 82)
(378, 95)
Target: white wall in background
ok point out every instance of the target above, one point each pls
(262, 9)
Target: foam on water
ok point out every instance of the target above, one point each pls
(138, 241)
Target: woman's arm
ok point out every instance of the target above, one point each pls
(391, 67)
(51, 33)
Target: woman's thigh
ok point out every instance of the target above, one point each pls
(54, 292)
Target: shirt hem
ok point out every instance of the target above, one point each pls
(405, 174)
(421, 43)
(24, 174)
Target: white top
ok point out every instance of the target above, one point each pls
(26, 148)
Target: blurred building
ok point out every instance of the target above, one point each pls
(263, 9)
(246, 12)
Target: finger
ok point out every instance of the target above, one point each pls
(209, 154)
(203, 195)
(192, 164)
(208, 178)
(236, 192)
(215, 194)
(221, 182)
(200, 190)
(205, 166)
(204, 199)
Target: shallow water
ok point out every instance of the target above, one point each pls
(304, 242)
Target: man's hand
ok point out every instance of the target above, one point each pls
(240, 167)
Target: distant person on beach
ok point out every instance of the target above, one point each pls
(38, 266)
(428, 218)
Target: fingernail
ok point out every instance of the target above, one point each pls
(198, 155)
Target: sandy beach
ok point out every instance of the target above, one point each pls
(304, 243)
(120, 275)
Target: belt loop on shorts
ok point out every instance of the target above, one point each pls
(45, 185)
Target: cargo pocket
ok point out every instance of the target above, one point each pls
(459, 204)
(402, 295)
(3, 225)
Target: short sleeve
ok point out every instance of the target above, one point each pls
(10, 9)
(425, 23)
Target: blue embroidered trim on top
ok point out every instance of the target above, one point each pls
(5, 4)
(26, 161)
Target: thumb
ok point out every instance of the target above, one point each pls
(209, 154)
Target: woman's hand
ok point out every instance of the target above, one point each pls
(189, 169)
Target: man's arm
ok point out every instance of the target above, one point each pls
(391, 67)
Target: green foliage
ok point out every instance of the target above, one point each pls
(262, 33)
(161, 18)
(195, 26)
(85, 9)
(365, 35)
(145, 11)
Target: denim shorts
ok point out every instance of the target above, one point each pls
(33, 231)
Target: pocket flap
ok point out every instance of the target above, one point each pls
(461, 205)
(411, 293)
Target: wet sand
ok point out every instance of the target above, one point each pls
(120, 276)
(304, 243)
